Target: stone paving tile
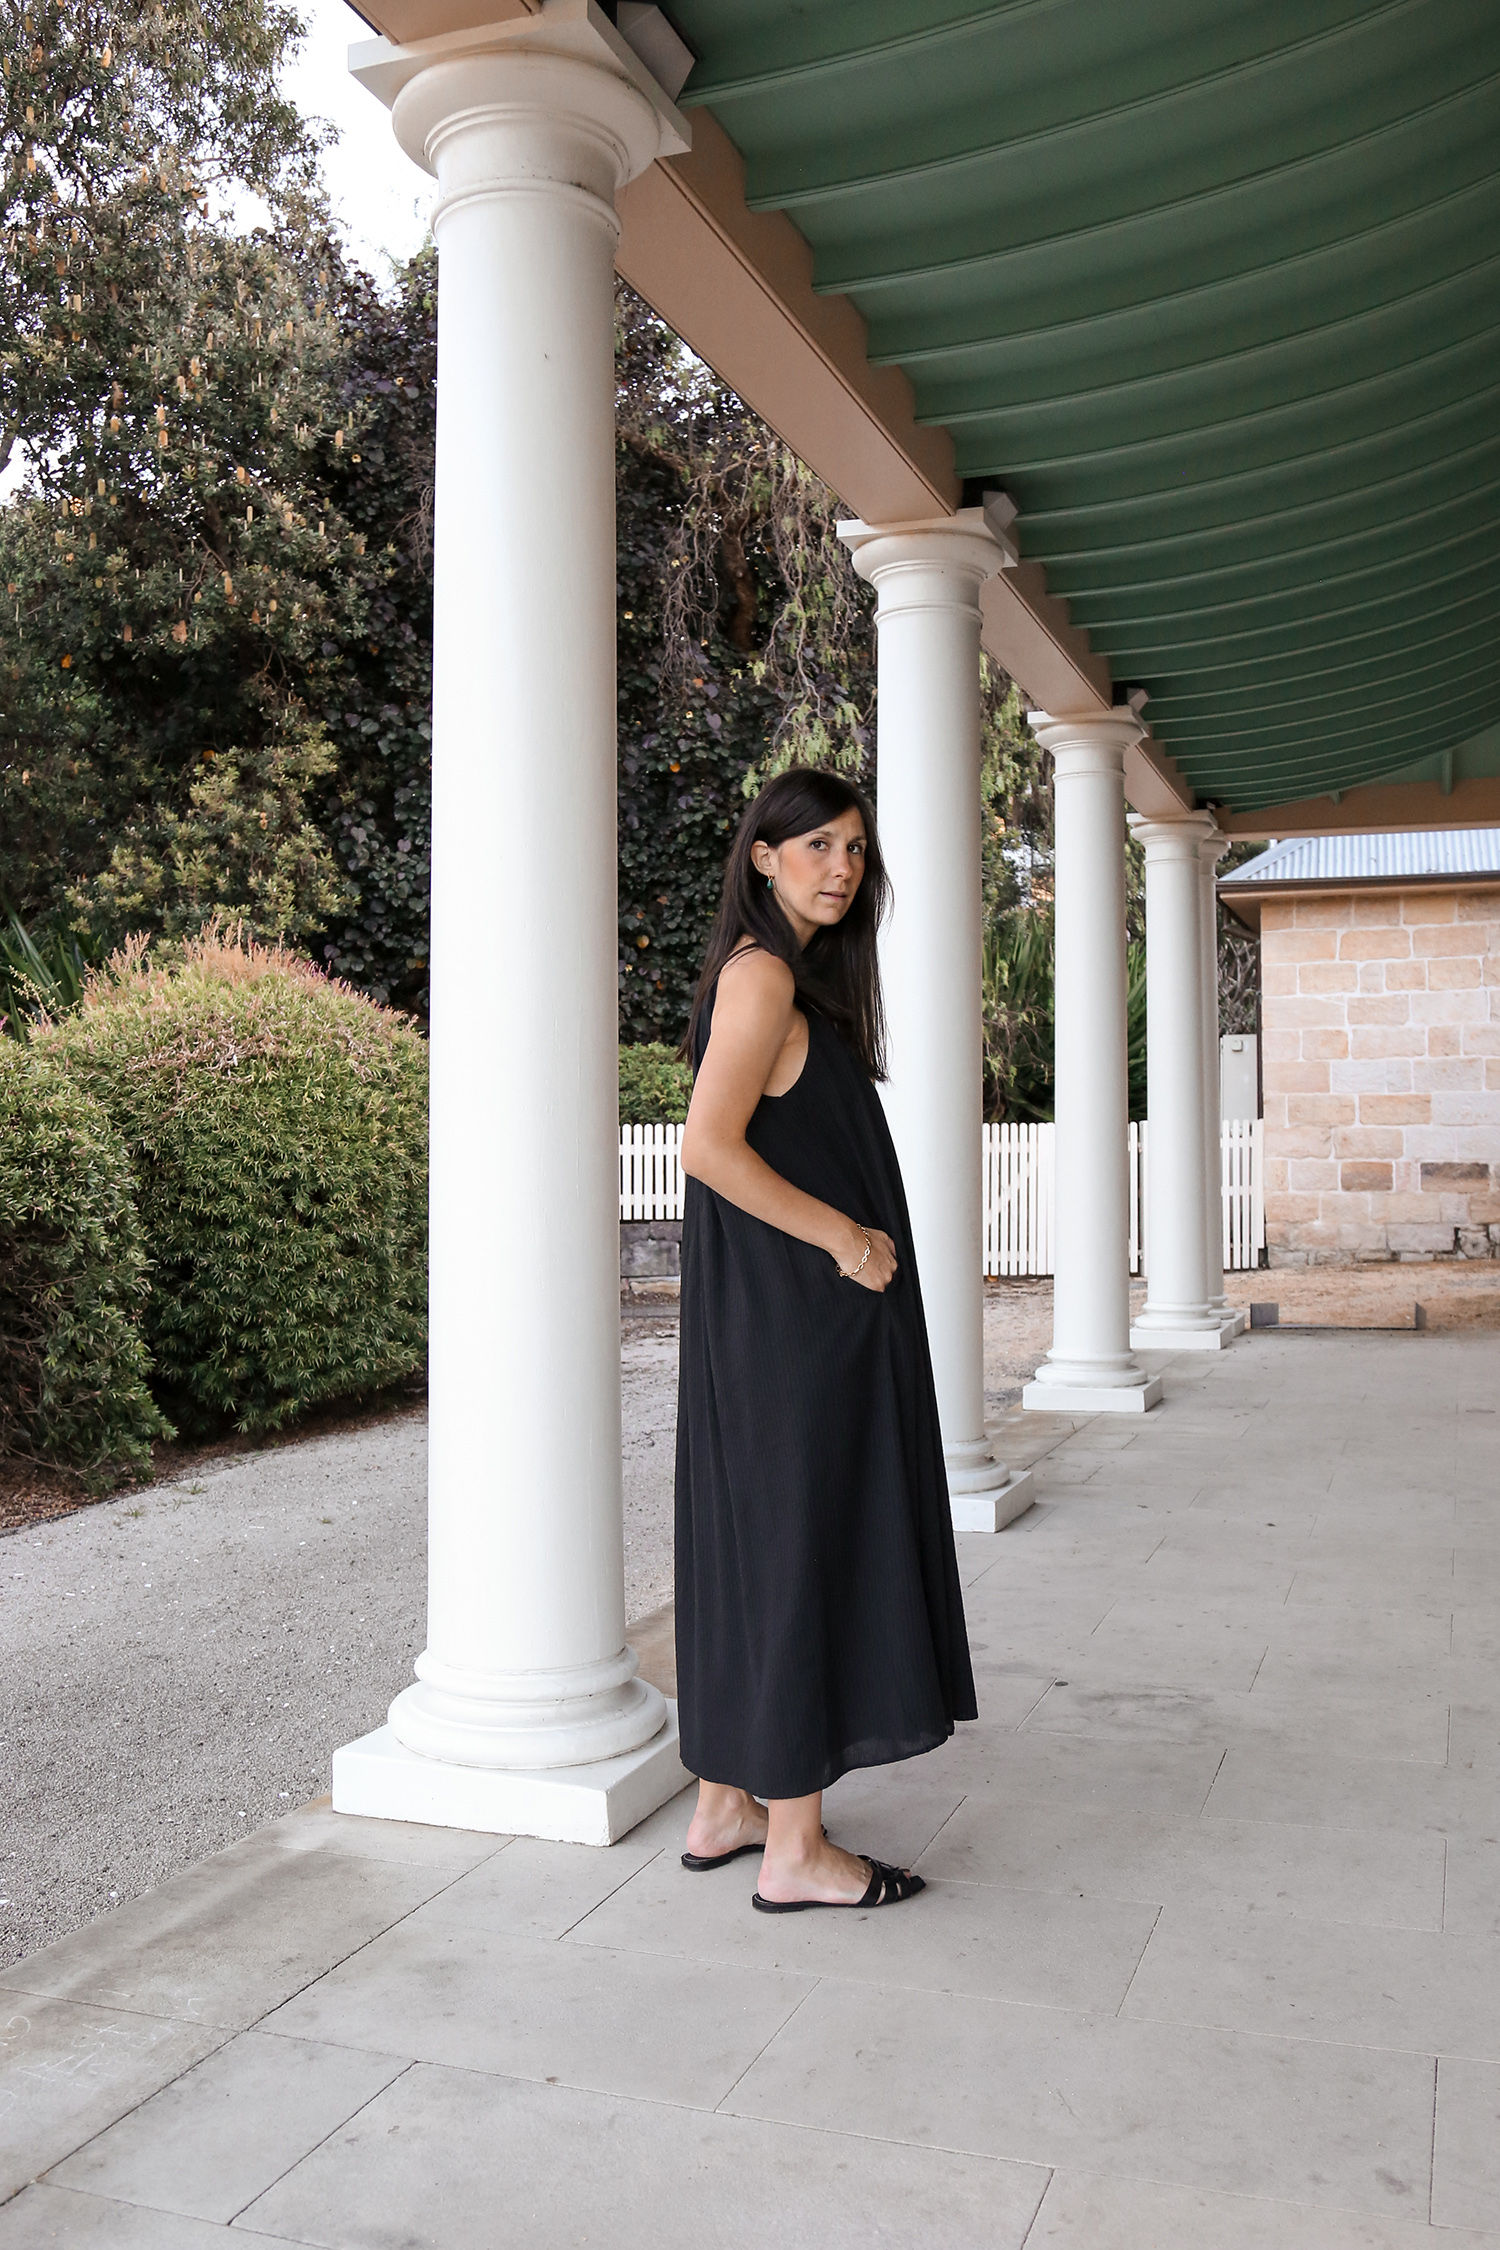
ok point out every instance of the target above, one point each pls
(1057, 1769)
(1373, 1877)
(1349, 1724)
(1466, 2146)
(1042, 1949)
(67, 2071)
(465, 2162)
(1431, 1991)
(1351, 2127)
(653, 2026)
(1471, 1893)
(318, 1828)
(1083, 2213)
(538, 1890)
(231, 1937)
(54, 2218)
(1307, 1787)
(207, 2145)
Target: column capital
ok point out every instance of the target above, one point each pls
(1186, 836)
(566, 63)
(959, 548)
(1102, 737)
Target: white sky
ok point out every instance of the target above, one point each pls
(382, 197)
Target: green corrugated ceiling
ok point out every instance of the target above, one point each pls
(1211, 291)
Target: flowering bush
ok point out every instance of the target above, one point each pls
(73, 1365)
(276, 1125)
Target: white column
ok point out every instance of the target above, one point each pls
(1176, 1315)
(927, 578)
(526, 1715)
(1233, 1320)
(1090, 1368)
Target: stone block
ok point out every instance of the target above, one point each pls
(1448, 1074)
(1429, 1241)
(1288, 1211)
(1379, 1008)
(1436, 941)
(1444, 1039)
(1481, 1038)
(1314, 1176)
(1277, 977)
(1275, 1180)
(1462, 1005)
(1387, 1075)
(1321, 1109)
(1395, 1109)
(650, 1248)
(1285, 1046)
(1299, 945)
(1450, 973)
(1479, 906)
(1441, 1144)
(1301, 1077)
(1300, 1141)
(1307, 1010)
(1365, 1179)
(1372, 976)
(1473, 1242)
(1378, 910)
(1436, 1178)
(1378, 1041)
(1429, 906)
(1327, 976)
(1369, 1141)
(1323, 1045)
(1406, 976)
(1323, 913)
(1476, 1108)
(1390, 944)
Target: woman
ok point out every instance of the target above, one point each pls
(819, 1618)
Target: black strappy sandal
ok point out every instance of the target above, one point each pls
(696, 1866)
(888, 1887)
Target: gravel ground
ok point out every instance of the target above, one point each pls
(177, 1665)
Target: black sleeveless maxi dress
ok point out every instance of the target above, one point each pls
(820, 1621)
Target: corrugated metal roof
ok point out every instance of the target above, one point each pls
(1384, 859)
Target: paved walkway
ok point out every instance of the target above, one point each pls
(1210, 1955)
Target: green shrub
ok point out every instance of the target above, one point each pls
(73, 1365)
(654, 1086)
(276, 1124)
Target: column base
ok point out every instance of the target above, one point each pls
(381, 1779)
(1085, 1398)
(1234, 1320)
(1169, 1339)
(994, 1508)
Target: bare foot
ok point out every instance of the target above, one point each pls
(826, 1873)
(727, 1824)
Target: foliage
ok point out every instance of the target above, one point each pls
(217, 671)
(655, 1085)
(275, 1122)
(38, 975)
(1017, 989)
(73, 1278)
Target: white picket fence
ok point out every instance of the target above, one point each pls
(1020, 1185)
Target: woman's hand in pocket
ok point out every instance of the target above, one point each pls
(878, 1270)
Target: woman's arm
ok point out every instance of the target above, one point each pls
(754, 1013)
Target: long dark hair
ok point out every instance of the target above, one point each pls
(837, 971)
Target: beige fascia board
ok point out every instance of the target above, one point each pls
(1381, 808)
(736, 285)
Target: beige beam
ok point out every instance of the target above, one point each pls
(1381, 808)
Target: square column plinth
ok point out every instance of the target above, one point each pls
(598, 1804)
(1085, 1398)
(1163, 1338)
(993, 1509)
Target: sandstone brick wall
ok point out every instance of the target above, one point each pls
(1381, 1073)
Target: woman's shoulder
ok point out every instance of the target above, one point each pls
(757, 974)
